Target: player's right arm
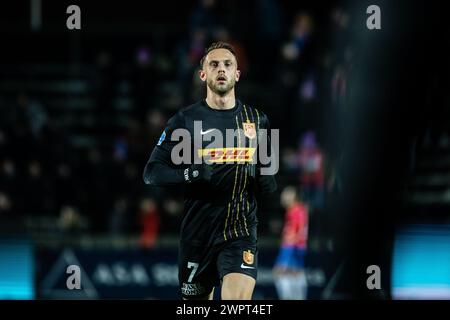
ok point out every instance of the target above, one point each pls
(160, 169)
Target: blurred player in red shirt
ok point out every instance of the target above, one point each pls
(290, 278)
(150, 222)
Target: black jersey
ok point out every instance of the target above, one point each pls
(223, 208)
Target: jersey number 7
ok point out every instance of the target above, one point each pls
(193, 265)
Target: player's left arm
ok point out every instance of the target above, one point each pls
(265, 179)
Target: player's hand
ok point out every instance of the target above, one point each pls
(197, 172)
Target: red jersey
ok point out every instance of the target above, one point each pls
(295, 230)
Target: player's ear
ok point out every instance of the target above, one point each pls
(238, 75)
(202, 75)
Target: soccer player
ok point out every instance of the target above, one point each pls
(218, 242)
(289, 269)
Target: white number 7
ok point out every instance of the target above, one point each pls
(193, 265)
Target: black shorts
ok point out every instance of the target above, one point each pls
(202, 268)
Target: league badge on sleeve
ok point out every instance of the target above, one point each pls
(162, 138)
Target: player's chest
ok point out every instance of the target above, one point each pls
(226, 140)
(230, 128)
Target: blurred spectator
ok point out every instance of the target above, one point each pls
(189, 54)
(297, 82)
(71, 222)
(311, 160)
(307, 89)
(119, 217)
(192, 50)
(340, 78)
(149, 222)
(300, 36)
(289, 269)
(8, 174)
(32, 113)
(340, 21)
(289, 160)
(343, 56)
(5, 205)
(173, 207)
(120, 152)
(339, 84)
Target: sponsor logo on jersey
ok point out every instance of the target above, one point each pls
(221, 155)
(192, 289)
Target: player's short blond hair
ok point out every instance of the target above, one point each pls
(217, 45)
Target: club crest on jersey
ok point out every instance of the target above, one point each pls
(248, 257)
(249, 130)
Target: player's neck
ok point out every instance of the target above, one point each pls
(216, 101)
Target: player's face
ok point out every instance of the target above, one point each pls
(220, 71)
